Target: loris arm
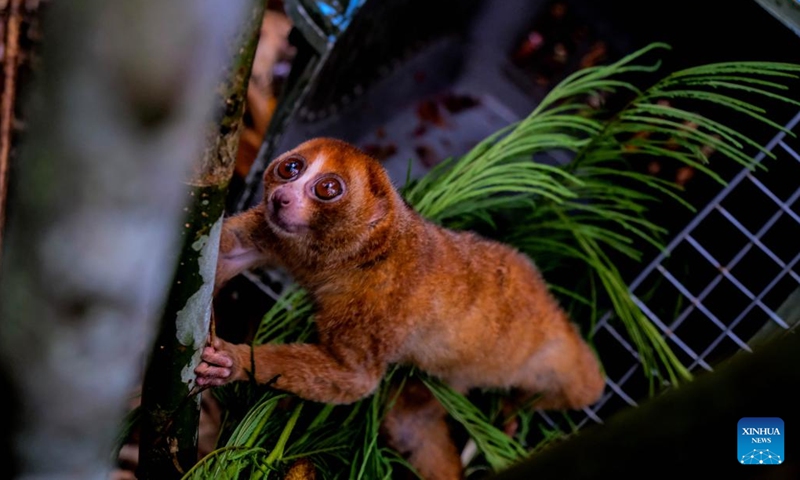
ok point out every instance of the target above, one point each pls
(310, 371)
(242, 245)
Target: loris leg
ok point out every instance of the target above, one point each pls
(566, 376)
(416, 427)
(307, 370)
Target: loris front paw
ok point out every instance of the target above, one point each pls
(221, 363)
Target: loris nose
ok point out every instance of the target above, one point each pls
(281, 198)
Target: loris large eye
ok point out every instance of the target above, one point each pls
(290, 168)
(328, 188)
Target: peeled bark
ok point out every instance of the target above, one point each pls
(170, 411)
(117, 119)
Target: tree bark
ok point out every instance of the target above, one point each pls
(8, 100)
(170, 413)
(117, 119)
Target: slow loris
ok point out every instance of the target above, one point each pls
(390, 287)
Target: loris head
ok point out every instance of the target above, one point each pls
(327, 195)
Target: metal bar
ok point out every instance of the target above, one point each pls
(590, 414)
(735, 260)
(736, 282)
(697, 303)
(755, 240)
(789, 150)
(657, 321)
(703, 213)
(744, 312)
(602, 322)
(549, 420)
(772, 197)
(739, 318)
(255, 280)
(625, 344)
(616, 387)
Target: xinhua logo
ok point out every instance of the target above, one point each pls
(760, 441)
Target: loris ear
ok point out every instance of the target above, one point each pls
(380, 194)
(380, 211)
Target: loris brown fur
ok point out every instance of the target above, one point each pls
(390, 287)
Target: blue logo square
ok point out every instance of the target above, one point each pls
(760, 441)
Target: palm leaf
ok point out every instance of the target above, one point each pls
(499, 449)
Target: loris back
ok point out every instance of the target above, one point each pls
(390, 287)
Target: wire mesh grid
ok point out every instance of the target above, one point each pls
(719, 282)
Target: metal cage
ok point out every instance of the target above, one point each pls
(743, 284)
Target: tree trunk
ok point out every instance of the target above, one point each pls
(170, 413)
(117, 120)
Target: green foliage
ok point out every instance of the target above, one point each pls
(499, 449)
(580, 216)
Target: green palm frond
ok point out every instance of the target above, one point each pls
(499, 449)
(581, 216)
(244, 451)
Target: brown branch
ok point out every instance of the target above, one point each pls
(7, 103)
